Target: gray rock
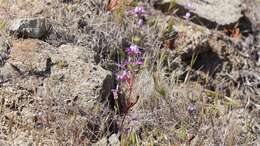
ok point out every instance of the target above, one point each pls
(58, 36)
(195, 42)
(143, 79)
(4, 50)
(65, 72)
(29, 27)
(75, 75)
(36, 72)
(223, 12)
(114, 140)
(253, 15)
(29, 55)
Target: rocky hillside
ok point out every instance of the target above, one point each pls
(129, 72)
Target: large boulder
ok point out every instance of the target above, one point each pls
(223, 12)
(64, 73)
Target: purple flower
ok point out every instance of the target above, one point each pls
(138, 11)
(192, 109)
(139, 62)
(126, 62)
(133, 50)
(187, 16)
(122, 66)
(124, 76)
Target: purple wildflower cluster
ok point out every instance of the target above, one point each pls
(192, 109)
(133, 50)
(134, 58)
(124, 76)
(139, 12)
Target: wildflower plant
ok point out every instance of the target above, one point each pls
(125, 77)
(131, 60)
(130, 65)
(139, 12)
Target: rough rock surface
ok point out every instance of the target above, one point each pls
(144, 79)
(68, 71)
(192, 41)
(252, 13)
(30, 27)
(38, 77)
(222, 12)
(4, 50)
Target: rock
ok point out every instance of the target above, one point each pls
(38, 77)
(253, 15)
(222, 12)
(36, 27)
(114, 140)
(29, 55)
(12, 97)
(190, 41)
(65, 72)
(75, 75)
(143, 79)
(58, 36)
(4, 50)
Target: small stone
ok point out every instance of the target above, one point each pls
(30, 27)
(113, 140)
